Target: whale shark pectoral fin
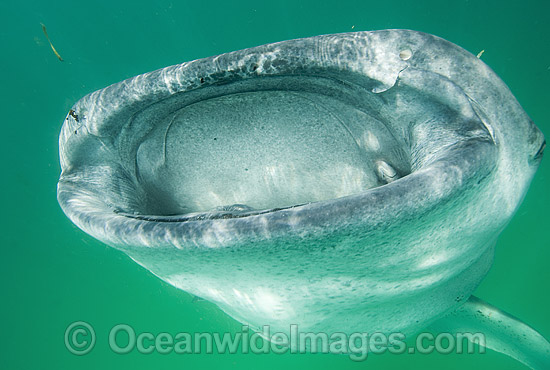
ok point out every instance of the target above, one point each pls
(502, 332)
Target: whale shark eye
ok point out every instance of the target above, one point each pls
(538, 155)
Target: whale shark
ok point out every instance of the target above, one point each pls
(343, 182)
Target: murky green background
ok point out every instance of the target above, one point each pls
(53, 274)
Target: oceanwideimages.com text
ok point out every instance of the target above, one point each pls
(81, 338)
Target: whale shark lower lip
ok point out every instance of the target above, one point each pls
(339, 182)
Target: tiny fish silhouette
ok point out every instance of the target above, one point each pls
(48, 38)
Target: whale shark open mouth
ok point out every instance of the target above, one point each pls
(272, 142)
(238, 146)
(277, 142)
(337, 182)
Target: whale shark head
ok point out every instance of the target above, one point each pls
(337, 182)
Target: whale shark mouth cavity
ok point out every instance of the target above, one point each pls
(277, 142)
(267, 143)
(342, 182)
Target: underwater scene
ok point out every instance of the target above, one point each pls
(322, 185)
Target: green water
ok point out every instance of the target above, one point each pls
(52, 274)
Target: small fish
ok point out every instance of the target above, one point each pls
(73, 114)
(48, 38)
(480, 53)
